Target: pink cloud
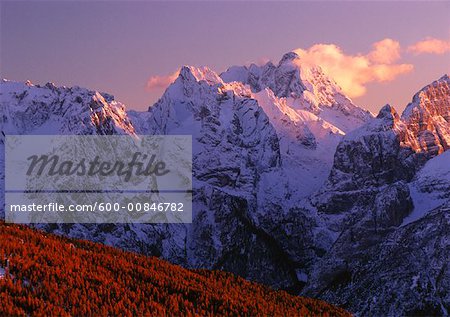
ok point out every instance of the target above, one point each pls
(157, 82)
(354, 72)
(430, 46)
(385, 51)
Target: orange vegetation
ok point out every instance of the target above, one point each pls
(48, 275)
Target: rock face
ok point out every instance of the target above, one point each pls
(294, 185)
(373, 155)
(428, 118)
(386, 196)
(405, 274)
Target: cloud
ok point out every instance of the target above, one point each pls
(354, 72)
(385, 51)
(430, 46)
(157, 82)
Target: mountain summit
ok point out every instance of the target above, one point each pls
(294, 185)
(308, 85)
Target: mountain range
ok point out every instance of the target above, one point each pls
(294, 185)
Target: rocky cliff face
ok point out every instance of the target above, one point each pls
(383, 202)
(391, 148)
(273, 201)
(428, 117)
(406, 273)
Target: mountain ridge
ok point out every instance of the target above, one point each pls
(253, 213)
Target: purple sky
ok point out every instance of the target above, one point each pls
(117, 46)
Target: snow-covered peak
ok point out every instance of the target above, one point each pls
(309, 87)
(307, 123)
(192, 83)
(189, 73)
(236, 73)
(48, 109)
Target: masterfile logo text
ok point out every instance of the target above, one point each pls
(98, 179)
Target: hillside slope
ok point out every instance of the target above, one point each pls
(43, 274)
